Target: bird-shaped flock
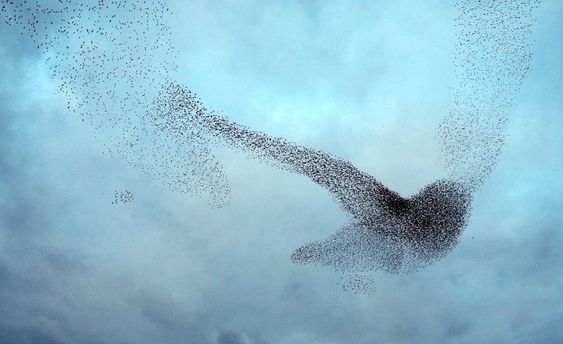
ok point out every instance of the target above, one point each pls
(114, 61)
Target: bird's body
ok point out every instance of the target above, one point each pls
(420, 229)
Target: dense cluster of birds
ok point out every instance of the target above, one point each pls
(114, 64)
(122, 197)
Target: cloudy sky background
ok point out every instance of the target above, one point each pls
(366, 81)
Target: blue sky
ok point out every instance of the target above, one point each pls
(366, 81)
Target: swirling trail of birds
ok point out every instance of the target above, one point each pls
(114, 60)
(492, 58)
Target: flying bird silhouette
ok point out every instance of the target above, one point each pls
(420, 228)
(113, 61)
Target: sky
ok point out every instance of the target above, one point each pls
(367, 82)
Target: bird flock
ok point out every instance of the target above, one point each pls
(110, 60)
(492, 58)
(387, 232)
(122, 197)
(114, 64)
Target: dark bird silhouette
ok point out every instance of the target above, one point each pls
(113, 61)
(416, 230)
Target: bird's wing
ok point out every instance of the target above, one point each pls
(356, 247)
(357, 192)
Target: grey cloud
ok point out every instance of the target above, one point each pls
(547, 331)
(175, 324)
(19, 335)
(231, 337)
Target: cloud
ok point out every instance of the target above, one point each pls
(25, 336)
(230, 337)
